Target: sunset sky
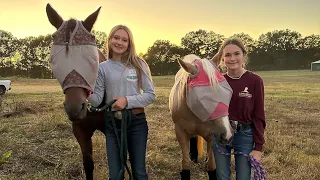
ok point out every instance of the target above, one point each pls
(151, 20)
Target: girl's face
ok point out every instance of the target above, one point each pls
(233, 57)
(120, 42)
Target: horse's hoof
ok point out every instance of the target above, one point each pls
(212, 175)
(185, 175)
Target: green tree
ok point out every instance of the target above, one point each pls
(101, 38)
(202, 43)
(247, 40)
(8, 47)
(162, 57)
(35, 53)
(279, 40)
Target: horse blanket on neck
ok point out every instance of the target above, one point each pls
(205, 102)
(74, 61)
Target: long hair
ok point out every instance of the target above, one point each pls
(71, 24)
(130, 57)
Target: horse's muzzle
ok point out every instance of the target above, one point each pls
(222, 139)
(76, 112)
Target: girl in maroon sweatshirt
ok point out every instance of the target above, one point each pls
(246, 108)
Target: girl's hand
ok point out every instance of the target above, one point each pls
(120, 104)
(256, 154)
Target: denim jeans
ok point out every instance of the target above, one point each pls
(242, 142)
(137, 135)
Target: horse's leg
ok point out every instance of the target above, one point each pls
(194, 149)
(211, 163)
(83, 133)
(183, 139)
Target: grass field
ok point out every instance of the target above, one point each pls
(43, 147)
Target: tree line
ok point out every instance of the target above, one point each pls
(275, 50)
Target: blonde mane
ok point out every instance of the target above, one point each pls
(182, 75)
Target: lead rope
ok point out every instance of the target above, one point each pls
(259, 172)
(122, 140)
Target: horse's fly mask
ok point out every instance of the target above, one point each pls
(204, 101)
(75, 62)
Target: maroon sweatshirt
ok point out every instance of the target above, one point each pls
(247, 104)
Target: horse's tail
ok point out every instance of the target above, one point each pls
(196, 148)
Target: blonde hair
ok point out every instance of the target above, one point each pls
(130, 57)
(218, 59)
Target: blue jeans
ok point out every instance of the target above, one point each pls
(137, 135)
(242, 142)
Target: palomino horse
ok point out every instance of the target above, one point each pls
(74, 60)
(198, 104)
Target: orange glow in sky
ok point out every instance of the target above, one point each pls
(152, 20)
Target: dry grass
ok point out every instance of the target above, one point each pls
(43, 146)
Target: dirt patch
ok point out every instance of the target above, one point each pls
(25, 110)
(12, 107)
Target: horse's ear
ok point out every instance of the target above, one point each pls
(90, 20)
(192, 69)
(54, 18)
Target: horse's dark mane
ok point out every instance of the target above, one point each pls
(70, 27)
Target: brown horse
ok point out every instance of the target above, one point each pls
(74, 61)
(198, 103)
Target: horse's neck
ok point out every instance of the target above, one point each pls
(178, 105)
(102, 57)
